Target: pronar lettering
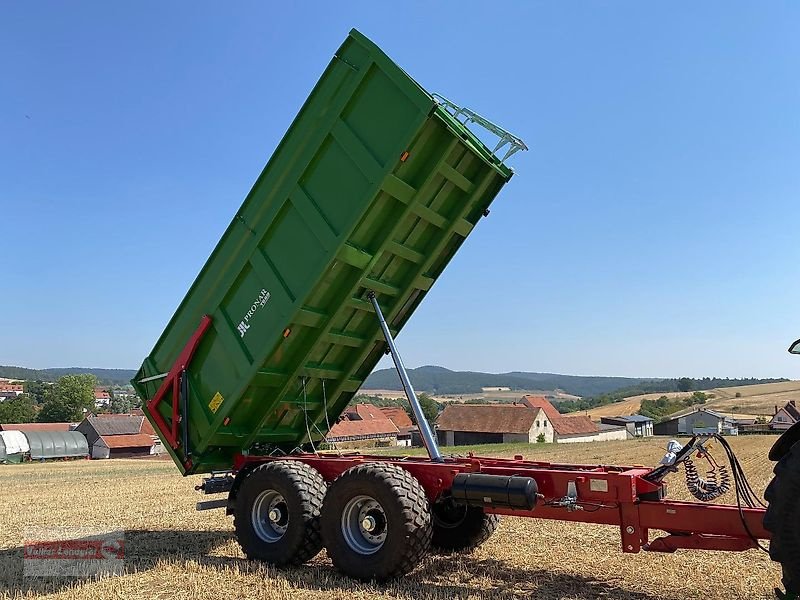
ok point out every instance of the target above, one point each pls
(244, 324)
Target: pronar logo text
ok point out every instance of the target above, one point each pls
(244, 324)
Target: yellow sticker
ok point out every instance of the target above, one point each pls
(216, 402)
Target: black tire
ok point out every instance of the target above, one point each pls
(459, 528)
(396, 502)
(297, 492)
(782, 518)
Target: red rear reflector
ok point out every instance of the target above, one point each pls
(286, 332)
(226, 420)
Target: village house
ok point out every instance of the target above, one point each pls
(703, 421)
(637, 425)
(10, 390)
(531, 419)
(365, 425)
(119, 436)
(785, 417)
(102, 399)
(405, 427)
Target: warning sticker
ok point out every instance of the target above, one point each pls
(216, 402)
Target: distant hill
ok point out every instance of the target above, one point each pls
(438, 380)
(104, 376)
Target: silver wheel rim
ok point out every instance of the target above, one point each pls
(270, 516)
(364, 525)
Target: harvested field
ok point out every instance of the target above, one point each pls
(174, 552)
(753, 400)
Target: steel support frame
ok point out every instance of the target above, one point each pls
(607, 495)
(172, 382)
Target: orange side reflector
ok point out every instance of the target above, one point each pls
(404, 156)
(286, 332)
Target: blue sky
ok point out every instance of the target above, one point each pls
(651, 230)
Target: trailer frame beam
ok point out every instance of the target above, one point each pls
(613, 495)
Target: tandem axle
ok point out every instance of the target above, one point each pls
(378, 515)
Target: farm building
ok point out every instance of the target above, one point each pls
(119, 436)
(697, 421)
(465, 424)
(41, 444)
(573, 429)
(48, 445)
(364, 424)
(102, 399)
(637, 425)
(13, 446)
(25, 427)
(402, 421)
(785, 417)
(10, 390)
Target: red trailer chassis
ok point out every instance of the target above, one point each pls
(623, 496)
(604, 495)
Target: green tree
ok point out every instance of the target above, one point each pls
(17, 410)
(68, 399)
(430, 408)
(36, 390)
(685, 384)
(120, 404)
(540, 438)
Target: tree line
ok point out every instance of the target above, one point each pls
(681, 384)
(69, 399)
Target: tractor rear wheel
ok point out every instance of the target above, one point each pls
(460, 528)
(782, 518)
(277, 513)
(376, 522)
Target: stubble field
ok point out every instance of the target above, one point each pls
(172, 551)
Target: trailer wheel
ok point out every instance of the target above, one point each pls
(376, 522)
(460, 528)
(277, 513)
(782, 518)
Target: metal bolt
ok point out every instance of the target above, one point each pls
(630, 529)
(274, 515)
(368, 524)
(630, 547)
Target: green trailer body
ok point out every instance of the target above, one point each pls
(374, 187)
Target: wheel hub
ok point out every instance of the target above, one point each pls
(270, 516)
(364, 525)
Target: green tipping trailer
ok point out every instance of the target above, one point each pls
(373, 188)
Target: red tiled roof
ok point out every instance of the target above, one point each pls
(573, 425)
(147, 429)
(137, 440)
(561, 425)
(365, 411)
(35, 427)
(487, 418)
(397, 416)
(347, 428)
(541, 402)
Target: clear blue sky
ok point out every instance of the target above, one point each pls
(652, 229)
